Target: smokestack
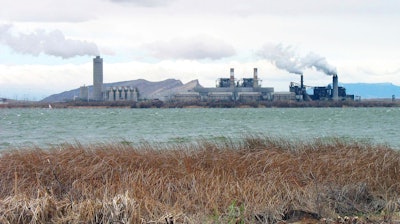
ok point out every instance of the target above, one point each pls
(335, 93)
(232, 78)
(255, 78)
(97, 78)
(301, 82)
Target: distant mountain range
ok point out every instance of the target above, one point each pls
(372, 90)
(147, 89)
(163, 89)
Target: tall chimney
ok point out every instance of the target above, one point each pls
(97, 78)
(255, 78)
(335, 93)
(232, 78)
(301, 82)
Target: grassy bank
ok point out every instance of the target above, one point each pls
(258, 180)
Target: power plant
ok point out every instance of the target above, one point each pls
(249, 89)
(331, 92)
(227, 89)
(113, 93)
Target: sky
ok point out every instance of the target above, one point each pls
(47, 46)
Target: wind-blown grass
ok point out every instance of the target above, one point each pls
(255, 180)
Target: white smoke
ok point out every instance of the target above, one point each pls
(51, 43)
(287, 59)
(312, 60)
(282, 57)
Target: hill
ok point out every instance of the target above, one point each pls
(372, 90)
(147, 90)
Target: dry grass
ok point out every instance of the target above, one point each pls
(256, 180)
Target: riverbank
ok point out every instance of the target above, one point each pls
(256, 180)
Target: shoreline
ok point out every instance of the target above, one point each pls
(216, 104)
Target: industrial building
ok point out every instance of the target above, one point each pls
(229, 89)
(121, 93)
(113, 93)
(84, 93)
(250, 90)
(330, 92)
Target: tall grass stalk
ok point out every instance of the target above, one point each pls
(253, 180)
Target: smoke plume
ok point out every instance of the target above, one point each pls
(282, 57)
(51, 43)
(312, 60)
(285, 58)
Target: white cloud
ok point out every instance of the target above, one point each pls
(51, 43)
(199, 47)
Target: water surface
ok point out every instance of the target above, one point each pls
(44, 127)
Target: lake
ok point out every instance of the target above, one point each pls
(45, 127)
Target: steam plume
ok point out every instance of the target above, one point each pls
(286, 58)
(313, 60)
(52, 43)
(282, 57)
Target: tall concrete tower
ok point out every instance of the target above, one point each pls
(97, 78)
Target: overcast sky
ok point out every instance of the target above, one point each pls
(47, 46)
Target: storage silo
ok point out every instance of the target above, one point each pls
(84, 93)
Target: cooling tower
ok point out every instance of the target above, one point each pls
(97, 78)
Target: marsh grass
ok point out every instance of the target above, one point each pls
(254, 180)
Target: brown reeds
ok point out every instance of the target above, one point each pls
(255, 180)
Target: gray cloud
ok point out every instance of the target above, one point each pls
(146, 3)
(286, 58)
(50, 10)
(200, 47)
(290, 7)
(79, 11)
(51, 43)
